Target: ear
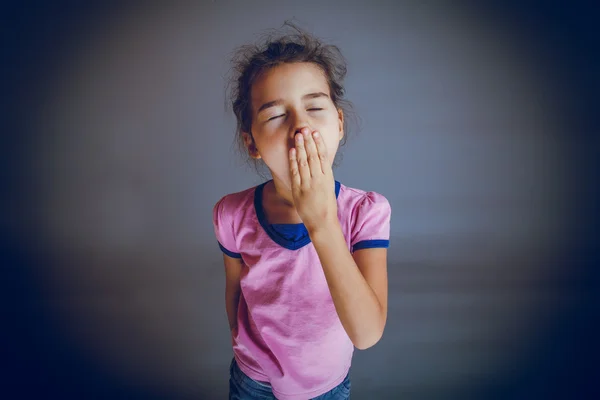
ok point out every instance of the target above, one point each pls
(250, 145)
(341, 122)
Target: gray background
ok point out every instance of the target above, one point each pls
(462, 130)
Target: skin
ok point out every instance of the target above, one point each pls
(297, 137)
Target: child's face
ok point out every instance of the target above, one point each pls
(286, 99)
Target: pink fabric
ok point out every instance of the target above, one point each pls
(289, 333)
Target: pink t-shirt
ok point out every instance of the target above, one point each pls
(289, 333)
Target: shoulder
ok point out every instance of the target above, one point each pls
(368, 215)
(231, 204)
(353, 200)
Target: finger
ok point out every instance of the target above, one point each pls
(302, 162)
(294, 173)
(323, 157)
(312, 155)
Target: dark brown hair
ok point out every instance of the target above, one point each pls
(275, 48)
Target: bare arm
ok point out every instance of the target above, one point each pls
(357, 282)
(233, 269)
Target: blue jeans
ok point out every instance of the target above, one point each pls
(242, 387)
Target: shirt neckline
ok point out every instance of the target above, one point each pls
(270, 230)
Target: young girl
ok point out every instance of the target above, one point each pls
(305, 256)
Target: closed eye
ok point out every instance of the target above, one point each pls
(281, 115)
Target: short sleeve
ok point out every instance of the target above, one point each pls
(371, 228)
(223, 225)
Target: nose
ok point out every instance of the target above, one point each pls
(299, 124)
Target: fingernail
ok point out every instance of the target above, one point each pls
(316, 134)
(299, 138)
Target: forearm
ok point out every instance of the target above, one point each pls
(356, 304)
(232, 297)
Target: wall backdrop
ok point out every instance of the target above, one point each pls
(468, 125)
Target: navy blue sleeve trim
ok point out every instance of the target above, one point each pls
(371, 244)
(229, 253)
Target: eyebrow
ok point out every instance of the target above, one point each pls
(280, 101)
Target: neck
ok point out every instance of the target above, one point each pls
(278, 204)
(281, 193)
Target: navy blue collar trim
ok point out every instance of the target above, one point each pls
(262, 219)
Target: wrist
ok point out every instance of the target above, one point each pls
(326, 228)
